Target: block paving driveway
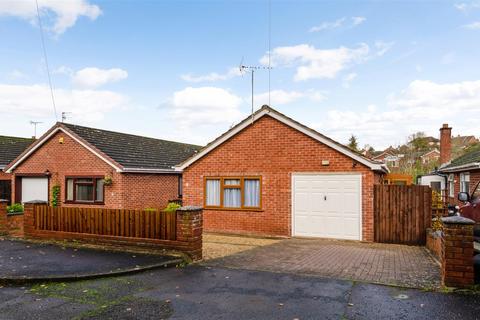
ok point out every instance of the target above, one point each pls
(408, 266)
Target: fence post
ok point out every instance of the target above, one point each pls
(189, 228)
(3, 217)
(29, 216)
(457, 252)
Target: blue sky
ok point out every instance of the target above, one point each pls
(378, 69)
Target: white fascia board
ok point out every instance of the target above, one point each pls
(148, 170)
(283, 119)
(45, 139)
(468, 166)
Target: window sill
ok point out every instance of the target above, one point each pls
(234, 209)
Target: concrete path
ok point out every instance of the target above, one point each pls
(198, 293)
(20, 260)
(408, 266)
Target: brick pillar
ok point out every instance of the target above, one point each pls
(457, 252)
(3, 217)
(190, 229)
(28, 216)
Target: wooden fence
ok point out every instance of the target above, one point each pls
(402, 213)
(148, 224)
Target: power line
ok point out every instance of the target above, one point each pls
(46, 61)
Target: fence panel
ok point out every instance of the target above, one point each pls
(402, 213)
(148, 224)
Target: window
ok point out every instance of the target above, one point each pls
(465, 182)
(233, 193)
(84, 189)
(451, 185)
(180, 186)
(6, 190)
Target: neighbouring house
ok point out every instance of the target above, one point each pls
(10, 148)
(272, 175)
(389, 157)
(98, 167)
(430, 156)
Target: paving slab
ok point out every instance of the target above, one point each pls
(408, 266)
(22, 261)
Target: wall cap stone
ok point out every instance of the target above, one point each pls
(457, 220)
(190, 208)
(36, 202)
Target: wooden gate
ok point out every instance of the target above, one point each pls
(402, 213)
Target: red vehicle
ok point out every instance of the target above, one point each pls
(471, 207)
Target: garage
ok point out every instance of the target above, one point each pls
(34, 188)
(327, 206)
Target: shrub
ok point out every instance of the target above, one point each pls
(55, 195)
(172, 206)
(14, 208)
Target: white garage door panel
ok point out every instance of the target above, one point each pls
(34, 189)
(327, 206)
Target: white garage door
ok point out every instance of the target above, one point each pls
(34, 188)
(327, 206)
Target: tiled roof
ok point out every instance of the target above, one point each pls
(135, 152)
(11, 147)
(469, 157)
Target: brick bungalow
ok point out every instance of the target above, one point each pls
(100, 168)
(10, 148)
(272, 175)
(463, 173)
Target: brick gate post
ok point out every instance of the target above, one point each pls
(28, 216)
(3, 217)
(457, 252)
(189, 227)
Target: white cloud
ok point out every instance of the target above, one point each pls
(205, 106)
(328, 25)
(383, 47)
(473, 26)
(465, 7)
(358, 20)
(58, 16)
(448, 58)
(313, 63)
(35, 101)
(348, 79)
(341, 22)
(282, 97)
(213, 76)
(95, 77)
(17, 75)
(422, 106)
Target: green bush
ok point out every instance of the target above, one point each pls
(14, 208)
(55, 195)
(172, 206)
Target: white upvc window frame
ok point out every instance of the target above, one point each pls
(451, 185)
(464, 179)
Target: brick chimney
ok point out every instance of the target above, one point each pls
(445, 144)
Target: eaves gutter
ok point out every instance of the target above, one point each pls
(148, 170)
(464, 167)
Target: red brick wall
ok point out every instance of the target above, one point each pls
(70, 158)
(272, 150)
(150, 190)
(5, 176)
(474, 180)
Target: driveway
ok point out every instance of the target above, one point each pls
(408, 266)
(199, 293)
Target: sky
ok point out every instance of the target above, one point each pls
(380, 70)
